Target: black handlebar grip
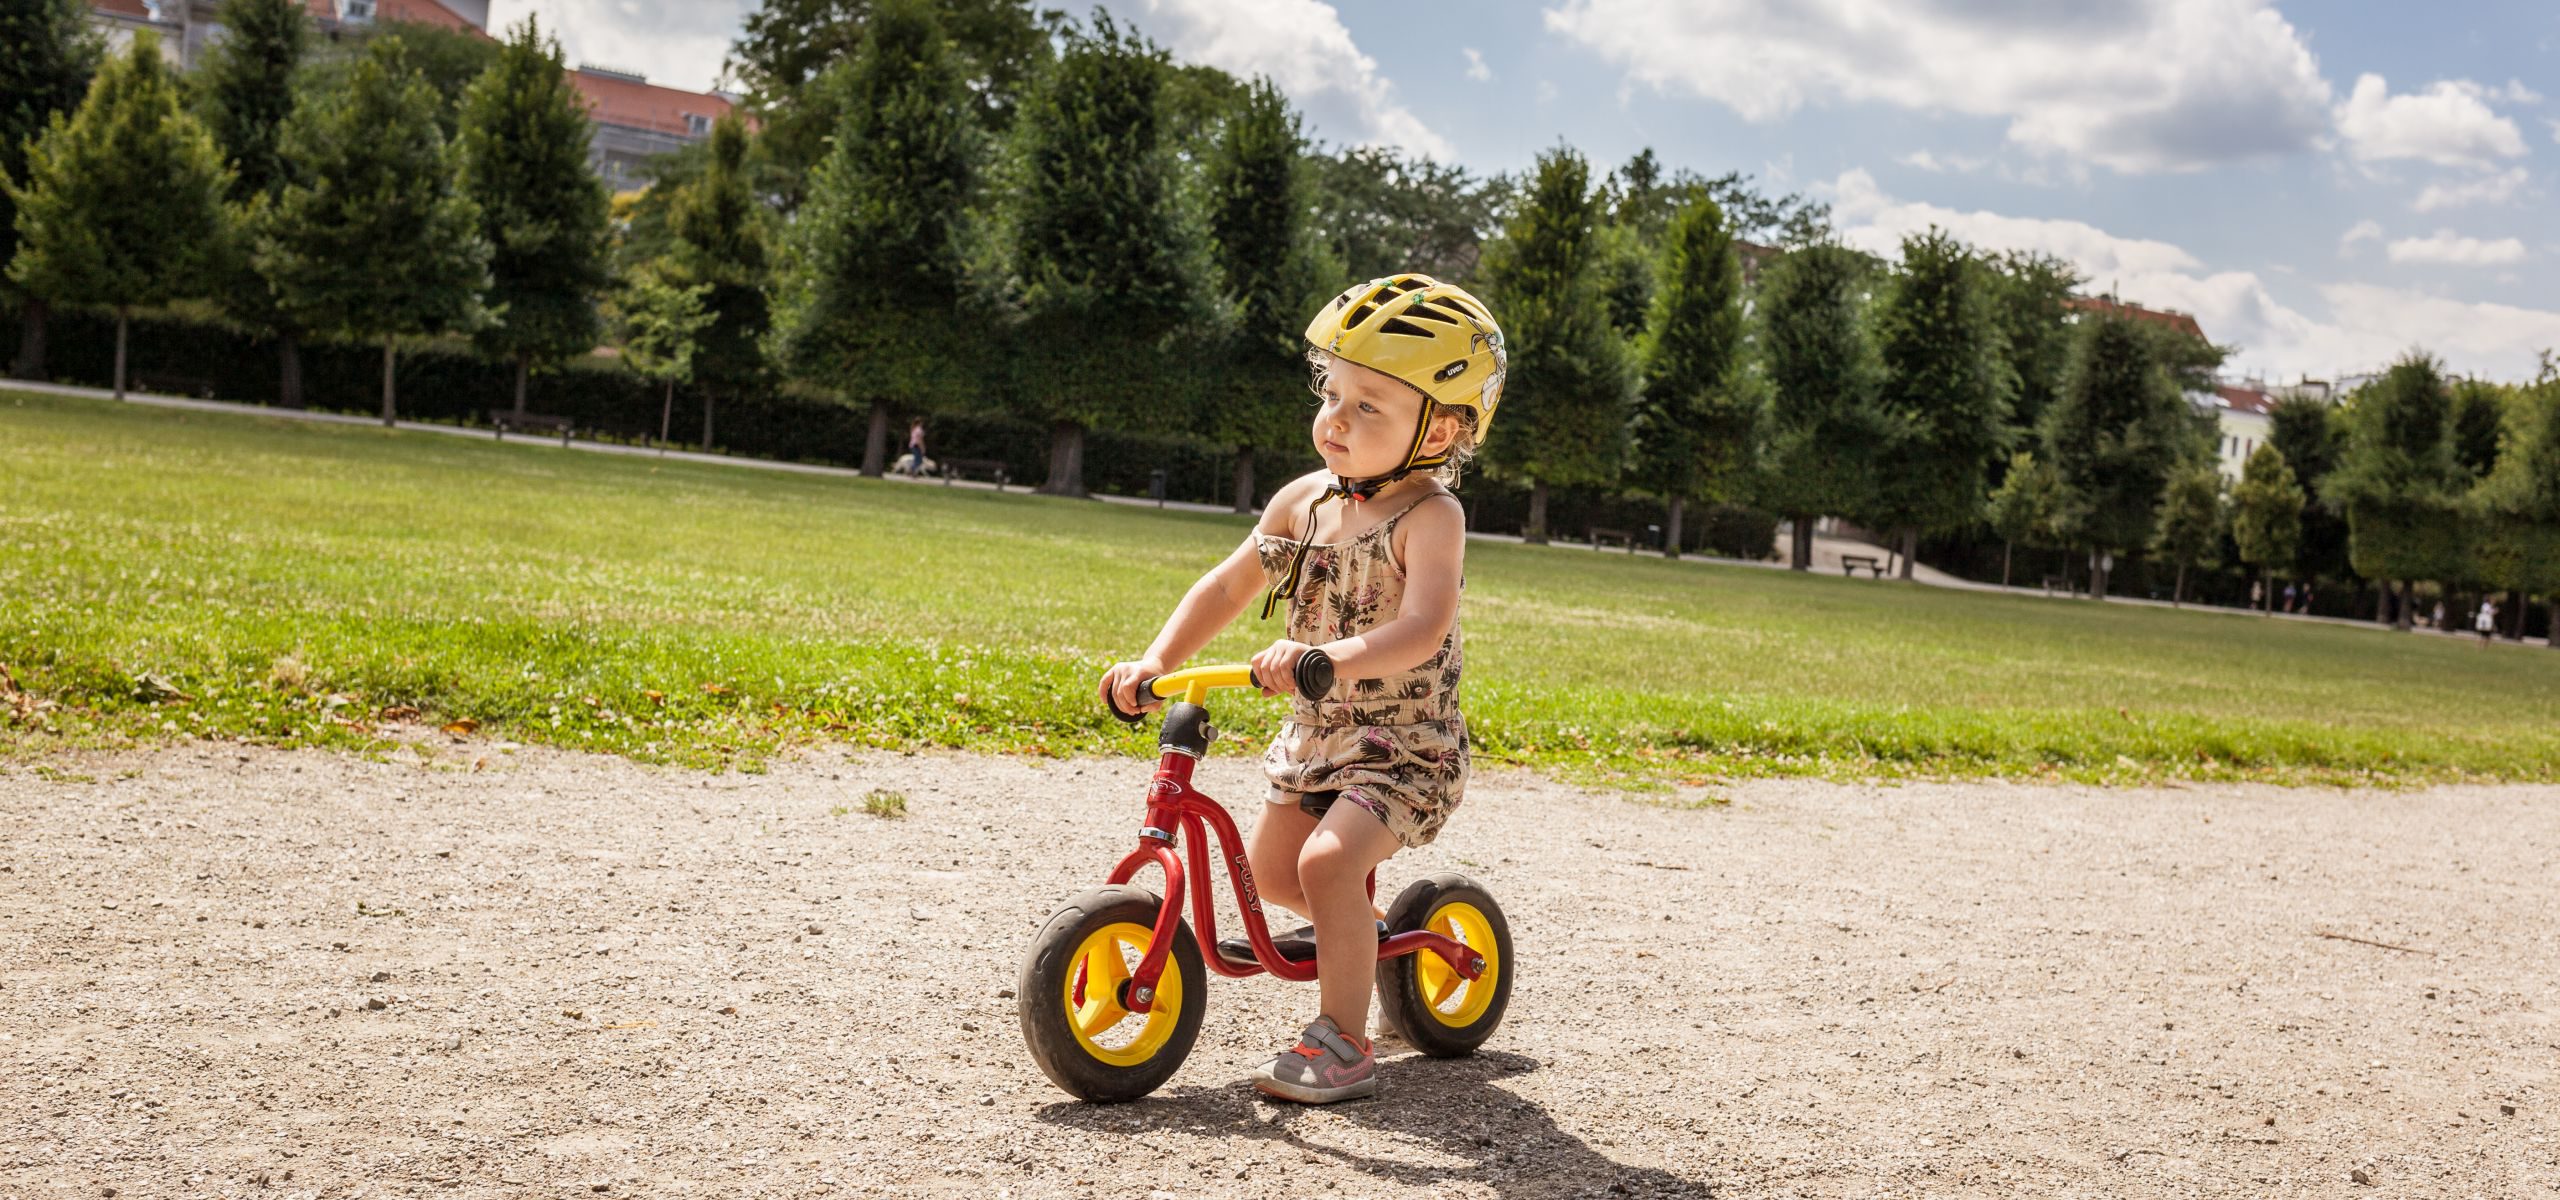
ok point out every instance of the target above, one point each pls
(1315, 674)
(1145, 687)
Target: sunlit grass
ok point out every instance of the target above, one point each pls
(302, 583)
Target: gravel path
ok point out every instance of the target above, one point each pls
(258, 973)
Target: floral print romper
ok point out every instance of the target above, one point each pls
(1397, 746)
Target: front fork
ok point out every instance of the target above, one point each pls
(1173, 805)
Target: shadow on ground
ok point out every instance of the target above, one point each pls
(1451, 1107)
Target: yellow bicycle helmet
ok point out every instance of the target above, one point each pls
(1434, 337)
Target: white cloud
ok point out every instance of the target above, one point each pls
(1476, 70)
(2364, 231)
(2137, 85)
(2449, 249)
(2449, 124)
(2517, 93)
(1955, 163)
(679, 45)
(2363, 326)
(2488, 189)
(1305, 49)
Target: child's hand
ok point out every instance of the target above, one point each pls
(1120, 686)
(1276, 668)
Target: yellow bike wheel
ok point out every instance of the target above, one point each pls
(1073, 998)
(1434, 1008)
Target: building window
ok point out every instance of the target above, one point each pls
(697, 124)
(356, 10)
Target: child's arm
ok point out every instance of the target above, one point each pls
(1435, 553)
(1212, 604)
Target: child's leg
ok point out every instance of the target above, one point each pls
(1333, 871)
(1272, 848)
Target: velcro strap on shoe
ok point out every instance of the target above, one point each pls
(1322, 1033)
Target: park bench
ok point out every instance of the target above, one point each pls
(989, 467)
(170, 385)
(1849, 564)
(505, 419)
(1620, 536)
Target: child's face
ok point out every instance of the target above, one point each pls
(1365, 421)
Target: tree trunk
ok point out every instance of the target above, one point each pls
(2267, 584)
(2552, 635)
(706, 421)
(2008, 549)
(1671, 526)
(123, 318)
(875, 445)
(667, 416)
(1910, 547)
(1244, 479)
(524, 367)
(289, 371)
(2401, 619)
(2382, 602)
(1536, 532)
(1066, 460)
(2178, 590)
(2521, 603)
(390, 347)
(30, 364)
(1799, 542)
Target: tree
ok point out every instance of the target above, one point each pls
(876, 270)
(542, 211)
(2028, 299)
(719, 239)
(122, 204)
(661, 326)
(244, 90)
(2306, 431)
(244, 93)
(1380, 212)
(2479, 417)
(1944, 394)
(1695, 429)
(786, 48)
(448, 59)
(2266, 517)
(1274, 274)
(1564, 409)
(2190, 522)
(47, 54)
(2114, 434)
(2025, 507)
(1824, 425)
(2400, 481)
(2519, 505)
(374, 239)
(1105, 268)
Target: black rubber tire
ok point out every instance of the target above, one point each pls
(1400, 997)
(1045, 972)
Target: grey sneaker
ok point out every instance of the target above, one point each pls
(1323, 1067)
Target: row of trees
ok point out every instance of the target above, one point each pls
(969, 206)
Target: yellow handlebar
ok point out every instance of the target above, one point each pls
(1192, 686)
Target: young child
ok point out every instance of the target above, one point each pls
(1408, 371)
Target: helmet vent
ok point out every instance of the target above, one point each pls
(1425, 312)
(1358, 315)
(1405, 327)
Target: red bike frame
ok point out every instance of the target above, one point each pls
(1173, 804)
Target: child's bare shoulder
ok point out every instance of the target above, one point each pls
(1289, 505)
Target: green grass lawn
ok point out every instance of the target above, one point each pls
(296, 580)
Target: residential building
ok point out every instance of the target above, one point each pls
(2241, 415)
(634, 119)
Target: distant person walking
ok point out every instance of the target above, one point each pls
(2486, 620)
(914, 463)
(2438, 622)
(2288, 597)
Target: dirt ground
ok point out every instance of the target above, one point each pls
(245, 972)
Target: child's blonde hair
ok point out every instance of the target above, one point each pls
(1462, 448)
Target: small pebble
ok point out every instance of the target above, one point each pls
(2360, 1175)
(374, 1004)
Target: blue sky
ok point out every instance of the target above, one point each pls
(2324, 186)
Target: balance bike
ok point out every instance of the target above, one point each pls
(1113, 987)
